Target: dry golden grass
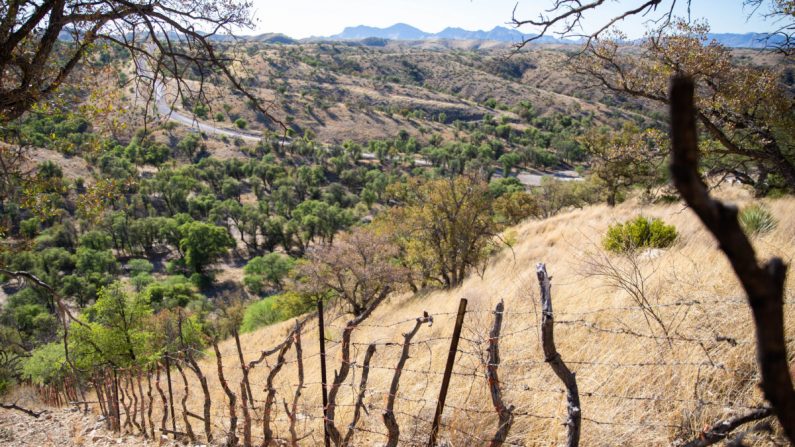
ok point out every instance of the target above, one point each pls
(695, 380)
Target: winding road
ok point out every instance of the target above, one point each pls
(164, 109)
(529, 179)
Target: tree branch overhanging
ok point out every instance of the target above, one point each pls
(763, 283)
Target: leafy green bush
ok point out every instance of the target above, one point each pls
(45, 364)
(241, 123)
(268, 271)
(639, 232)
(756, 219)
(275, 309)
(261, 313)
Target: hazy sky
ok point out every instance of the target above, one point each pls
(304, 18)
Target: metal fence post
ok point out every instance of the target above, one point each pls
(448, 370)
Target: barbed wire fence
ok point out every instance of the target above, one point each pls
(504, 382)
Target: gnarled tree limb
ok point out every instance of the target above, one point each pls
(721, 429)
(763, 283)
(389, 416)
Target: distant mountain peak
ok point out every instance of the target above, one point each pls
(404, 31)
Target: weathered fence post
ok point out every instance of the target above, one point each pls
(321, 331)
(448, 370)
(552, 357)
(117, 409)
(504, 412)
(171, 398)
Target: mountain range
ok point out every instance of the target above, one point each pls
(402, 31)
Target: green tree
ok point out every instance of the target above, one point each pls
(445, 227)
(202, 244)
(266, 271)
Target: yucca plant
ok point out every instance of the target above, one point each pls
(757, 220)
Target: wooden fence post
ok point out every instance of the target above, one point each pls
(552, 357)
(117, 409)
(448, 370)
(171, 398)
(321, 331)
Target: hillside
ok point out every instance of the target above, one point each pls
(638, 387)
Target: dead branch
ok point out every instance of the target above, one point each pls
(151, 402)
(389, 416)
(504, 413)
(14, 406)
(293, 411)
(763, 283)
(551, 356)
(362, 391)
(345, 365)
(568, 16)
(185, 412)
(271, 390)
(143, 402)
(162, 394)
(231, 437)
(722, 429)
(246, 397)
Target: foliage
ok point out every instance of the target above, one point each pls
(638, 233)
(745, 127)
(625, 158)
(171, 292)
(444, 228)
(261, 313)
(46, 364)
(118, 331)
(266, 271)
(756, 219)
(355, 269)
(203, 244)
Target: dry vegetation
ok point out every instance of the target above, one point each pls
(638, 386)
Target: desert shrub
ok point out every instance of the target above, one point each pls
(139, 266)
(45, 364)
(264, 272)
(241, 123)
(276, 308)
(261, 313)
(639, 232)
(756, 219)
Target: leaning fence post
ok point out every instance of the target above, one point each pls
(448, 370)
(116, 400)
(171, 398)
(321, 331)
(552, 357)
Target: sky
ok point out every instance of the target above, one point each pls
(305, 18)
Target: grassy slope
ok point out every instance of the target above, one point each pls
(718, 373)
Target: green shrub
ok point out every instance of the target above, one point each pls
(45, 364)
(756, 219)
(241, 123)
(264, 272)
(639, 232)
(261, 313)
(274, 309)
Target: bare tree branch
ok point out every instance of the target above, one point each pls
(763, 283)
(721, 429)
